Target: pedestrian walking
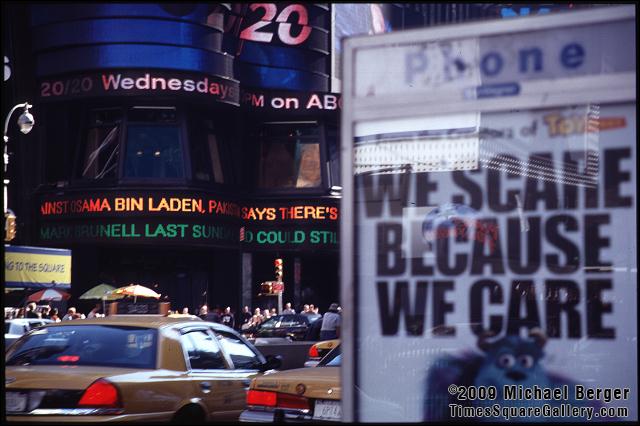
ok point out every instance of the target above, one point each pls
(204, 312)
(31, 311)
(227, 317)
(46, 312)
(331, 321)
(287, 309)
(70, 313)
(54, 315)
(245, 316)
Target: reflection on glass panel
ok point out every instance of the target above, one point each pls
(526, 258)
(334, 154)
(215, 158)
(101, 150)
(241, 355)
(153, 152)
(308, 166)
(148, 114)
(290, 156)
(417, 145)
(206, 161)
(203, 351)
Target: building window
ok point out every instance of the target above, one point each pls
(333, 144)
(100, 156)
(289, 156)
(205, 154)
(153, 145)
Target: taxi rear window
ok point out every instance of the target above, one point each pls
(97, 345)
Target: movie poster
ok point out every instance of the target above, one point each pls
(500, 277)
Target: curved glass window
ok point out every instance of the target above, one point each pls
(153, 145)
(289, 156)
(101, 150)
(153, 152)
(206, 162)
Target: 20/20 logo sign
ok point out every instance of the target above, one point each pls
(284, 28)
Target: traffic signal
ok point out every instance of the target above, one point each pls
(278, 264)
(9, 226)
(266, 288)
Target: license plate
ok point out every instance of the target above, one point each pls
(327, 410)
(16, 402)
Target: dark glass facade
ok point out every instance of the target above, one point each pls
(187, 146)
(181, 147)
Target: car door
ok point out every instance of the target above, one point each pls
(245, 363)
(208, 372)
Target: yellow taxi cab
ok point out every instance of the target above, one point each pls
(303, 394)
(143, 368)
(318, 350)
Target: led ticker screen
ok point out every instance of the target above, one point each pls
(137, 230)
(295, 102)
(136, 204)
(187, 218)
(309, 237)
(136, 82)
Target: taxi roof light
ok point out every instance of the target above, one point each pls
(101, 393)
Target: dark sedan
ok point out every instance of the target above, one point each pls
(293, 325)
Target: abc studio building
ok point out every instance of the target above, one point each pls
(186, 147)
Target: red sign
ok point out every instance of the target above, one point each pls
(272, 287)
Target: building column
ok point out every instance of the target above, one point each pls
(247, 280)
(297, 273)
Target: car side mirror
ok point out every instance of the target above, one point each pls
(273, 362)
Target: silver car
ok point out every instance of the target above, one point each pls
(15, 328)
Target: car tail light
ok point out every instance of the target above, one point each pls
(255, 397)
(313, 351)
(292, 401)
(101, 393)
(277, 400)
(68, 358)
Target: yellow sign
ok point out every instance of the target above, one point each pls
(37, 267)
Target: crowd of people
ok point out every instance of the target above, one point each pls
(47, 312)
(323, 327)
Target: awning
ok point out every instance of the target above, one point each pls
(37, 267)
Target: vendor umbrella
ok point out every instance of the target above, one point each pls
(98, 292)
(136, 290)
(102, 292)
(49, 294)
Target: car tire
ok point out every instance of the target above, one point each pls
(191, 414)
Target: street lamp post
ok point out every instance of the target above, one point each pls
(25, 122)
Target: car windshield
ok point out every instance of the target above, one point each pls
(98, 345)
(281, 321)
(332, 359)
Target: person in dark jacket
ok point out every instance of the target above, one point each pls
(227, 317)
(245, 317)
(313, 332)
(31, 311)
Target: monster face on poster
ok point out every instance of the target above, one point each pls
(494, 260)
